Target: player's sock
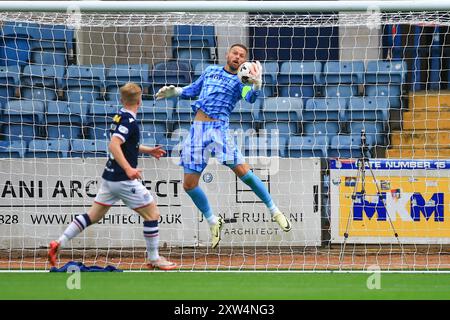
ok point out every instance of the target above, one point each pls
(78, 224)
(201, 201)
(258, 187)
(151, 235)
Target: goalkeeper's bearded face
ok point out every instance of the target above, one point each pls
(235, 57)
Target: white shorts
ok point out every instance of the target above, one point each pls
(133, 194)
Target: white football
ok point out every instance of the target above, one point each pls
(244, 72)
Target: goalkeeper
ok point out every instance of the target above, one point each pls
(218, 89)
(120, 182)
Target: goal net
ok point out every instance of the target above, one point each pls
(350, 135)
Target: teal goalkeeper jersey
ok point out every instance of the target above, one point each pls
(218, 91)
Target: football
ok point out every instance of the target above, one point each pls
(244, 72)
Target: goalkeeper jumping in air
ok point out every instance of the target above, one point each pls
(218, 90)
(120, 182)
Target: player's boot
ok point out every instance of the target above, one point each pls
(162, 264)
(215, 232)
(52, 252)
(281, 219)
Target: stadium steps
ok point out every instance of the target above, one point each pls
(426, 128)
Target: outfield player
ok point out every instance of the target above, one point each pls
(121, 182)
(218, 90)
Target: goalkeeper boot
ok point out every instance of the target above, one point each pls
(162, 264)
(52, 252)
(281, 219)
(215, 232)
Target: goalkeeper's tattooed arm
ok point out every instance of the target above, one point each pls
(116, 151)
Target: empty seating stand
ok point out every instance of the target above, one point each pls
(88, 148)
(52, 148)
(23, 119)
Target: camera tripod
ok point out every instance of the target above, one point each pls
(362, 164)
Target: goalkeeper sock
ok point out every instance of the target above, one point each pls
(78, 224)
(259, 189)
(151, 235)
(201, 201)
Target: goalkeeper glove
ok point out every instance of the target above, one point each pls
(168, 92)
(256, 72)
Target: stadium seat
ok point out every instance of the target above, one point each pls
(169, 72)
(245, 115)
(119, 74)
(375, 131)
(65, 120)
(23, 119)
(340, 91)
(82, 83)
(100, 118)
(269, 77)
(281, 113)
(325, 109)
(194, 36)
(321, 128)
(307, 146)
(54, 148)
(392, 72)
(86, 148)
(171, 145)
(155, 117)
(368, 108)
(9, 80)
(15, 47)
(348, 146)
(183, 112)
(298, 78)
(48, 76)
(392, 92)
(193, 56)
(49, 53)
(13, 149)
(263, 146)
(343, 72)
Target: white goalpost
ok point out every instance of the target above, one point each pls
(350, 133)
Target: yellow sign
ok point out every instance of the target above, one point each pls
(418, 207)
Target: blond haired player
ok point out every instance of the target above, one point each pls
(121, 182)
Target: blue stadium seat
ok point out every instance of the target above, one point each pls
(348, 146)
(169, 72)
(100, 118)
(264, 145)
(66, 120)
(23, 119)
(245, 115)
(195, 36)
(298, 78)
(82, 83)
(86, 148)
(119, 74)
(325, 109)
(49, 53)
(340, 91)
(193, 56)
(53, 148)
(13, 149)
(307, 146)
(343, 72)
(321, 128)
(368, 108)
(375, 130)
(15, 48)
(281, 113)
(392, 72)
(156, 117)
(183, 111)
(43, 76)
(9, 80)
(392, 92)
(269, 77)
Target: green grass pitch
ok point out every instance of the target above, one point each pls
(224, 286)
